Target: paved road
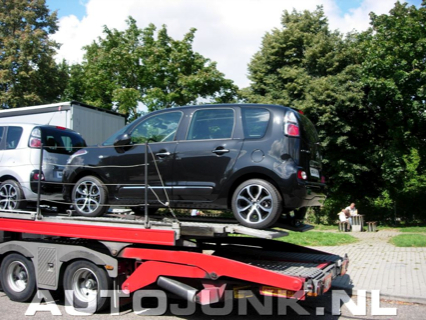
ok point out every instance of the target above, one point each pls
(375, 264)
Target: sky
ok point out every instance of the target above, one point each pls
(228, 31)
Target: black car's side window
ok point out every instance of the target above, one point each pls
(158, 128)
(255, 122)
(212, 124)
(13, 136)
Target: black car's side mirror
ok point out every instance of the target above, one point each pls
(122, 140)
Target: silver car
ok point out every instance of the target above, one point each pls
(20, 148)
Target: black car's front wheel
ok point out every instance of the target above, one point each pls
(90, 197)
(256, 203)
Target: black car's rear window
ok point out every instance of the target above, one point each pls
(57, 140)
(255, 122)
(310, 133)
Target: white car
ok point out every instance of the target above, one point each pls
(20, 153)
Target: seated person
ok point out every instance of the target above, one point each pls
(352, 210)
(344, 216)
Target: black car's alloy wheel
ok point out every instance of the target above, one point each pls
(89, 197)
(257, 204)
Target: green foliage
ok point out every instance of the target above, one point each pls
(28, 72)
(414, 181)
(146, 66)
(394, 75)
(395, 79)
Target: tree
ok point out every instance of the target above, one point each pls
(394, 74)
(28, 72)
(290, 57)
(149, 67)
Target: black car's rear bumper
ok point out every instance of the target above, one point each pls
(307, 194)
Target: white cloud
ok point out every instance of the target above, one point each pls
(358, 18)
(228, 31)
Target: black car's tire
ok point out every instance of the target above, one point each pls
(18, 277)
(293, 217)
(140, 211)
(11, 196)
(83, 282)
(90, 197)
(257, 204)
(300, 213)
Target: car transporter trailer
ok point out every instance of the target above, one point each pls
(193, 260)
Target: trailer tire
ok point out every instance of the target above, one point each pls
(11, 195)
(256, 203)
(18, 277)
(90, 197)
(83, 283)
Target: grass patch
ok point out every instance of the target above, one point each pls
(409, 240)
(318, 239)
(413, 229)
(322, 227)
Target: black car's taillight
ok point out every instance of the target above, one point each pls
(302, 175)
(36, 176)
(291, 125)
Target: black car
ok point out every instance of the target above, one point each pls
(258, 160)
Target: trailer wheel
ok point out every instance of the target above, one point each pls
(18, 277)
(89, 197)
(83, 282)
(11, 196)
(257, 204)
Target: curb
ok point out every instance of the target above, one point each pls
(383, 296)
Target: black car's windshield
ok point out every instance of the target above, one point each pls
(111, 139)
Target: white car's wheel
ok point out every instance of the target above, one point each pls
(11, 196)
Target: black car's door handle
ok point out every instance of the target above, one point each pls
(220, 150)
(162, 154)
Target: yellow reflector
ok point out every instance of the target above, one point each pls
(276, 292)
(243, 292)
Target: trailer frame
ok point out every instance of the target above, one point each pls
(194, 260)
